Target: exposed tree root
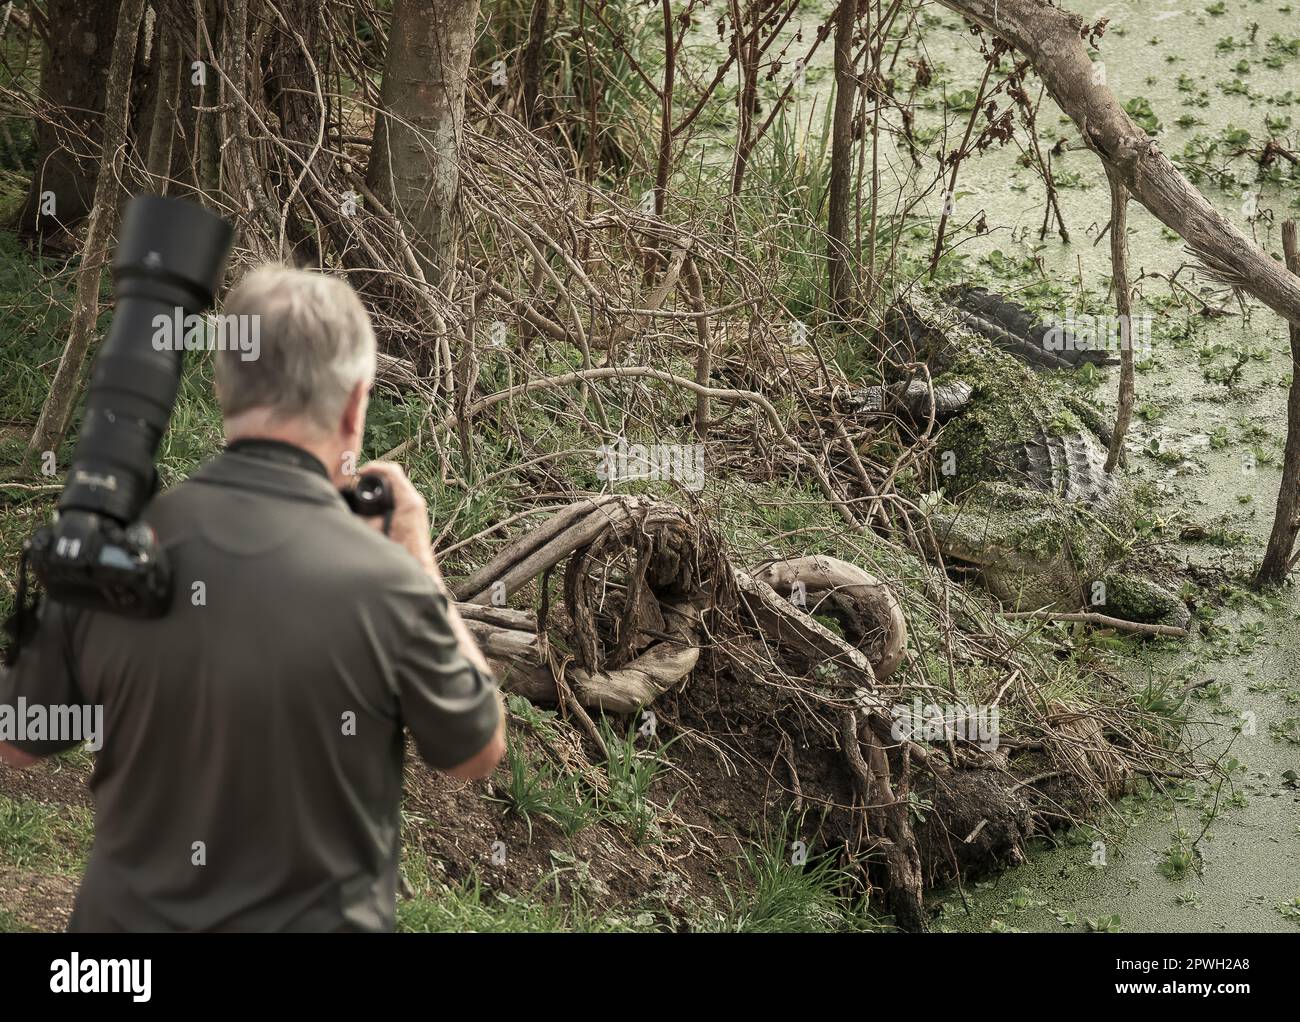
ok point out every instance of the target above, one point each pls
(651, 600)
(856, 599)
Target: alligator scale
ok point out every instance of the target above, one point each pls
(1029, 504)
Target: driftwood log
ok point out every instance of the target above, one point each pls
(517, 654)
(656, 636)
(866, 609)
(640, 578)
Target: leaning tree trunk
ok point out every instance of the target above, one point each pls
(839, 268)
(163, 111)
(534, 61)
(1052, 39)
(53, 422)
(1124, 309)
(414, 165)
(73, 77)
(1286, 521)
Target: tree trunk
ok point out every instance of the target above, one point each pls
(838, 258)
(414, 165)
(73, 79)
(53, 422)
(243, 168)
(209, 24)
(746, 96)
(665, 159)
(1124, 309)
(163, 112)
(293, 78)
(534, 62)
(1286, 521)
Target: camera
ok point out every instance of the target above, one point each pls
(96, 554)
(370, 497)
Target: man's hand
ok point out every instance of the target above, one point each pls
(410, 528)
(410, 522)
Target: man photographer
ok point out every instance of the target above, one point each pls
(251, 765)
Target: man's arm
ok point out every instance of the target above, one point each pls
(12, 756)
(481, 765)
(409, 527)
(41, 676)
(463, 637)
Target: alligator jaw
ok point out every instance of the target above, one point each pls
(1019, 541)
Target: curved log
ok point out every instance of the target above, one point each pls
(668, 581)
(865, 607)
(645, 678)
(583, 530)
(476, 587)
(514, 657)
(788, 627)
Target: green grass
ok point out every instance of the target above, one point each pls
(774, 894)
(10, 923)
(41, 839)
(471, 907)
(632, 772)
(35, 305)
(535, 789)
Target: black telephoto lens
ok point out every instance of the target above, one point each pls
(169, 263)
(97, 555)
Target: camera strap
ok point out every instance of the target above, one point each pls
(278, 451)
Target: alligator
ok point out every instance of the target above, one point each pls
(1030, 507)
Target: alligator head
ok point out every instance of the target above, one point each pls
(1032, 549)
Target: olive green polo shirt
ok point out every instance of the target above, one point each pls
(251, 765)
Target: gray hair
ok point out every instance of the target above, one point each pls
(316, 345)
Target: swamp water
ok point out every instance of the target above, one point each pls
(1212, 453)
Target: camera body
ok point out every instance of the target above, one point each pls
(88, 560)
(370, 497)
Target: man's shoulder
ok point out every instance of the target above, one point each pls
(247, 521)
(387, 560)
